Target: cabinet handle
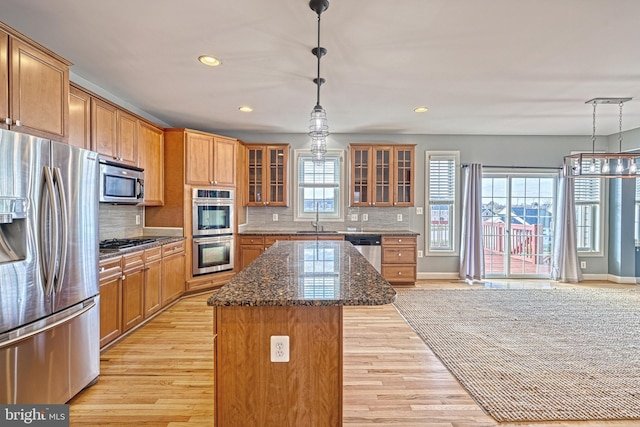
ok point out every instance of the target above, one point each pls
(18, 123)
(7, 121)
(124, 277)
(211, 182)
(399, 273)
(399, 254)
(399, 240)
(102, 269)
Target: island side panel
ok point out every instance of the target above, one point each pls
(253, 391)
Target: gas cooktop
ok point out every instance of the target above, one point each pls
(114, 245)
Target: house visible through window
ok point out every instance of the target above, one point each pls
(588, 199)
(441, 188)
(318, 186)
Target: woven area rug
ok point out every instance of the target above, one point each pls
(536, 354)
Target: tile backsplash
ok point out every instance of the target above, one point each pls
(119, 221)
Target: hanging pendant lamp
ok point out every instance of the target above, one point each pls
(318, 125)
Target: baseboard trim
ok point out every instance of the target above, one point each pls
(438, 276)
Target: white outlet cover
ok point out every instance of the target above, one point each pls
(399, 217)
(279, 348)
(420, 254)
(365, 217)
(354, 217)
(275, 217)
(419, 210)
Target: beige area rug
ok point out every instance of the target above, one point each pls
(536, 354)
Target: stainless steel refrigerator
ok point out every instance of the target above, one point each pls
(49, 303)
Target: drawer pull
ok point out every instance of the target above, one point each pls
(399, 240)
(399, 273)
(399, 254)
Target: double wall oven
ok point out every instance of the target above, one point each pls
(213, 226)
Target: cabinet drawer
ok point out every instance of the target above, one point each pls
(109, 268)
(399, 255)
(153, 254)
(270, 240)
(172, 248)
(133, 261)
(252, 240)
(399, 240)
(399, 273)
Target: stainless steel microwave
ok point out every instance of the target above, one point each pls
(121, 184)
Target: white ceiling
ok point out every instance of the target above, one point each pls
(504, 67)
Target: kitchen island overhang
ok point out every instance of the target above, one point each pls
(296, 289)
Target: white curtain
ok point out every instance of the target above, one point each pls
(471, 248)
(566, 265)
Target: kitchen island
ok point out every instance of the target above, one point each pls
(295, 289)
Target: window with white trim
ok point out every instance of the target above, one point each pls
(588, 199)
(441, 194)
(319, 186)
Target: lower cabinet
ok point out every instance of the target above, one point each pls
(173, 260)
(152, 281)
(251, 247)
(399, 259)
(132, 290)
(110, 272)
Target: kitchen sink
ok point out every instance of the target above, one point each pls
(317, 232)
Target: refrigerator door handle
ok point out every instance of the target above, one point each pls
(47, 264)
(13, 337)
(64, 229)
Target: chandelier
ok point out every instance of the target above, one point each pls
(318, 125)
(603, 165)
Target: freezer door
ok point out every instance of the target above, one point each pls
(75, 174)
(22, 297)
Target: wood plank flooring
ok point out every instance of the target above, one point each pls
(162, 375)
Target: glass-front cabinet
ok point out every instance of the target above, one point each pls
(382, 175)
(267, 174)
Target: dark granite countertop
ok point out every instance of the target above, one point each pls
(288, 232)
(312, 273)
(160, 240)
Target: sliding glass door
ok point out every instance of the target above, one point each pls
(517, 221)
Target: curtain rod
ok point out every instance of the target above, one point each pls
(465, 165)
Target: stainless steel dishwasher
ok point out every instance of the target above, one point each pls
(368, 245)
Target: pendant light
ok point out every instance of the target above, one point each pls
(318, 125)
(603, 165)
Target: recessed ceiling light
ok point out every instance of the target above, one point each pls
(209, 60)
(245, 109)
(420, 110)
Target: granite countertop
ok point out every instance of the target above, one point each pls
(160, 240)
(289, 232)
(307, 273)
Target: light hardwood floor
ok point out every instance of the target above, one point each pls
(162, 375)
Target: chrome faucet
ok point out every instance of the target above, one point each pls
(316, 224)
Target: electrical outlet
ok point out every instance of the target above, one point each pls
(279, 348)
(275, 217)
(137, 219)
(420, 254)
(419, 210)
(365, 217)
(354, 217)
(583, 264)
(399, 217)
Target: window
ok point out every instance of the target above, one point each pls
(588, 199)
(318, 186)
(441, 188)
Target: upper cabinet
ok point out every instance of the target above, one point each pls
(267, 174)
(211, 159)
(79, 118)
(34, 88)
(151, 159)
(382, 175)
(114, 132)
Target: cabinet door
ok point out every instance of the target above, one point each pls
(172, 278)
(224, 161)
(403, 176)
(110, 309)
(256, 176)
(127, 138)
(382, 173)
(151, 159)
(132, 298)
(39, 92)
(103, 128)
(199, 162)
(248, 253)
(4, 78)
(360, 176)
(152, 288)
(278, 158)
(79, 118)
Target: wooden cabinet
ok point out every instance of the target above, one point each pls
(251, 247)
(382, 175)
(399, 259)
(267, 167)
(152, 281)
(110, 272)
(173, 264)
(126, 138)
(79, 118)
(114, 133)
(132, 290)
(211, 159)
(34, 88)
(151, 159)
